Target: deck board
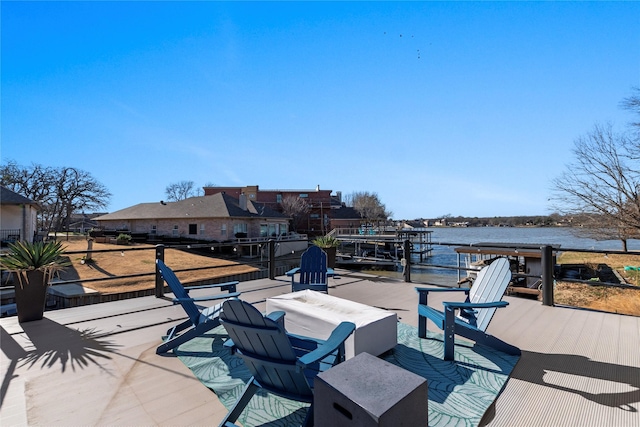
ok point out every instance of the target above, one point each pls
(578, 368)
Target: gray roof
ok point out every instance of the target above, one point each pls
(8, 197)
(215, 206)
(346, 212)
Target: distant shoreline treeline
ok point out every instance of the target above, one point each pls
(553, 220)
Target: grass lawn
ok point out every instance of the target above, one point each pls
(133, 262)
(606, 298)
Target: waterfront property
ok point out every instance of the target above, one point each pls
(326, 210)
(219, 217)
(96, 365)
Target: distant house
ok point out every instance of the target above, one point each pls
(18, 217)
(345, 217)
(217, 217)
(320, 202)
(414, 224)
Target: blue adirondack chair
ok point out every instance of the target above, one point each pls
(313, 271)
(283, 364)
(199, 321)
(470, 318)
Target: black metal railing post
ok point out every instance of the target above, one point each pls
(159, 279)
(406, 261)
(547, 275)
(272, 259)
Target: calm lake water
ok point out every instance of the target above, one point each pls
(539, 236)
(566, 237)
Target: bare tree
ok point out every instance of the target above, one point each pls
(295, 208)
(602, 185)
(180, 190)
(632, 103)
(369, 206)
(77, 191)
(347, 199)
(60, 192)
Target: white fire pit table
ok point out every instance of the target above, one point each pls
(315, 314)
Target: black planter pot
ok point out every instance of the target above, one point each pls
(331, 256)
(31, 296)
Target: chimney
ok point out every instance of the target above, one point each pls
(243, 202)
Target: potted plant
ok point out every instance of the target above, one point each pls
(33, 264)
(329, 244)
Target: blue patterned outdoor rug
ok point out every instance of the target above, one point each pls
(460, 392)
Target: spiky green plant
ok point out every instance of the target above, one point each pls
(26, 256)
(326, 242)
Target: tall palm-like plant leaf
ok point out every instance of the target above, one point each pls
(326, 242)
(26, 256)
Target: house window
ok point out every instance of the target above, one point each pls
(154, 230)
(239, 228)
(278, 198)
(193, 228)
(223, 230)
(201, 229)
(175, 231)
(272, 230)
(303, 196)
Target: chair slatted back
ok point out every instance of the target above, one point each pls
(179, 292)
(313, 266)
(265, 348)
(489, 286)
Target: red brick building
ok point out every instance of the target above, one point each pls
(322, 204)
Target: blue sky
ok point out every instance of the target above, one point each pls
(457, 108)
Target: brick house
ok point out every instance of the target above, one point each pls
(217, 217)
(322, 204)
(346, 218)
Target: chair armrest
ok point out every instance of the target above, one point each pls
(209, 298)
(277, 316)
(228, 286)
(421, 290)
(337, 338)
(293, 271)
(423, 293)
(472, 305)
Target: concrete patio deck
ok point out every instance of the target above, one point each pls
(96, 365)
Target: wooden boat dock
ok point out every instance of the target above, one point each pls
(379, 246)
